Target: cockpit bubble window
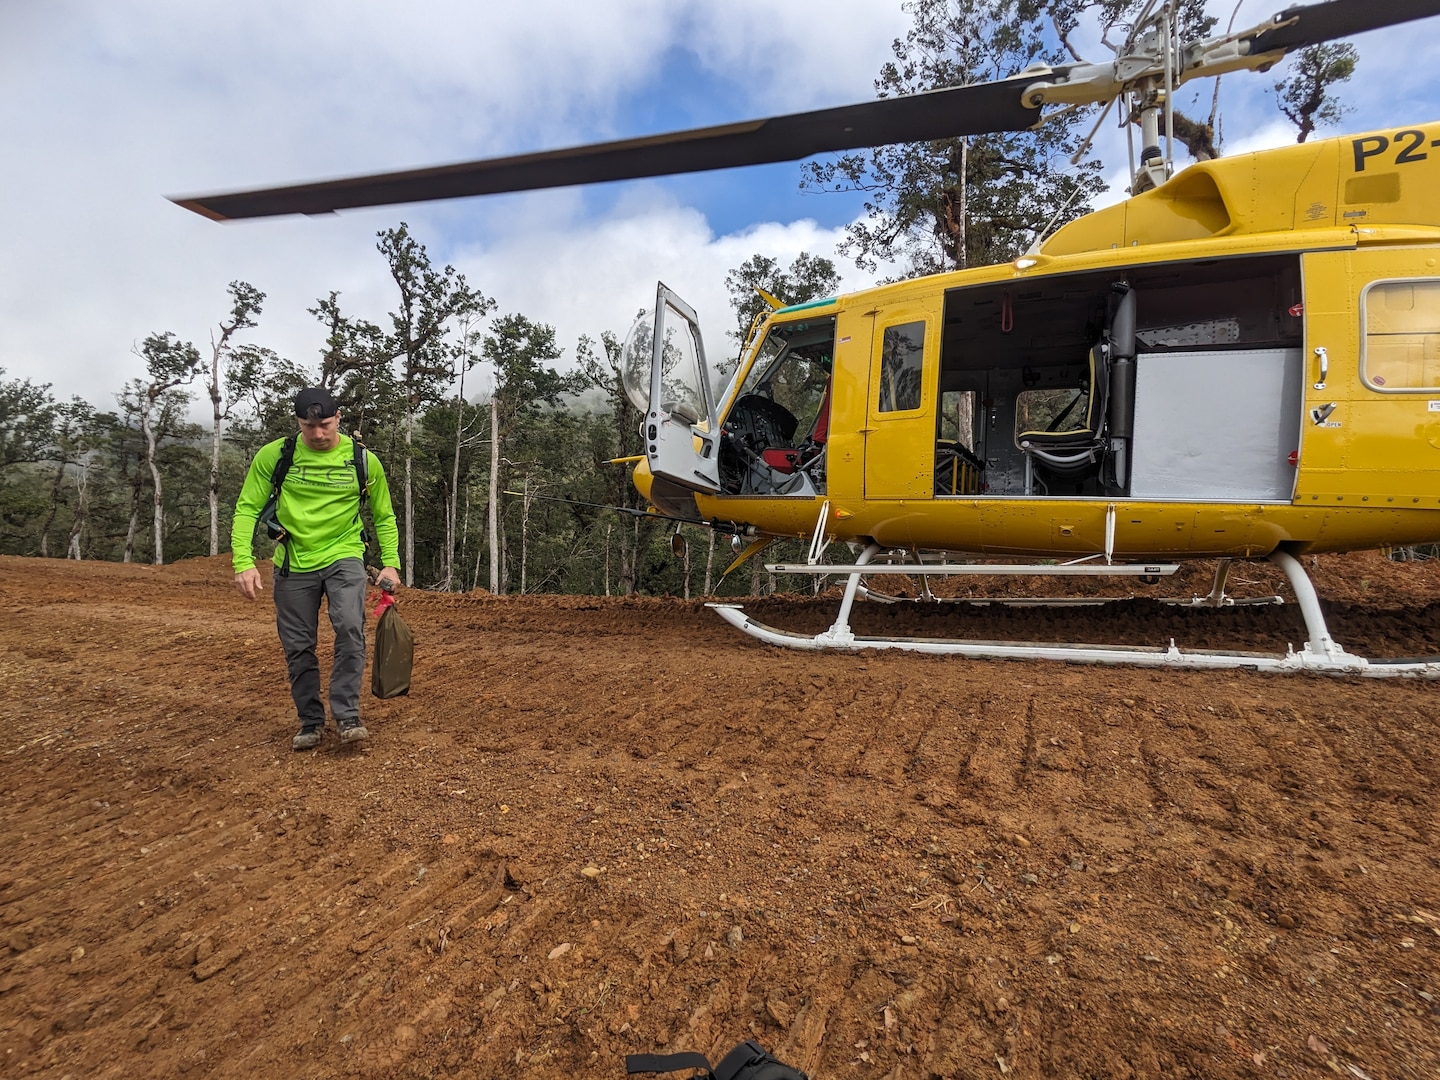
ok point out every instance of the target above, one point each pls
(1401, 335)
(792, 369)
(902, 358)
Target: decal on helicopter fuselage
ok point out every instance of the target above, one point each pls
(1407, 145)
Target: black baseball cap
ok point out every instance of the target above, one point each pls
(315, 403)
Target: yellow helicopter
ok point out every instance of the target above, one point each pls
(1240, 361)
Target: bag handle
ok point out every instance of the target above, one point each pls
(662, 1063)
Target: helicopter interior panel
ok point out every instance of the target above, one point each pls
(1034, 386)
(773, 440)
(1217, 425)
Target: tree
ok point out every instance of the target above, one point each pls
(246, 301)
(27, 421)
(1305, 96)
(808, 277)
(946, 204)
(265, 384)
(465, 359)
(602, 370)
(170, 363)
(519, 351)
(354, 364)
(72, 426)
(429, 298)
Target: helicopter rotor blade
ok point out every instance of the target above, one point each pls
(1011, 104)
(1311, 24)
(936, 114)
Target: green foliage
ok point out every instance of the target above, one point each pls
(1306, 95)
(952, 203)
(808, 277)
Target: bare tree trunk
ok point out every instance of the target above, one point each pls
(54, 507)
(149, 432)
(82, 478)
(710, 563)
(524, 533)
(504, 556)
(494, 491)
(455, 480)
(215, 400)
(964, 201)
(134, 528)
(479, 547)
(409, 496)
(607, 558)
(465, 536)
(687, 569)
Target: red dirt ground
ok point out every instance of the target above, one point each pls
(602, 826)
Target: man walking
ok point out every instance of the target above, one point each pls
(315, 482)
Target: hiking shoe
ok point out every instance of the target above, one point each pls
(353, 732)
(307, 739)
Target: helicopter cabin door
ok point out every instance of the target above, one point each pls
(1371, 427)
(680, 427)
(900, 406)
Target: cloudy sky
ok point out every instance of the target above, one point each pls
(107, 106)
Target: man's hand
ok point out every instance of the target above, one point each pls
(389, 576)
(249, 583)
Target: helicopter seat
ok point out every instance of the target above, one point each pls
(781, 459)
(1075, 452)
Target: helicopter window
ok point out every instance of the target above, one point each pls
(1065, 409)
(902, 358)
(792, 369)
(1402, 335)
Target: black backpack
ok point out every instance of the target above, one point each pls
(269, 515)
(748, 1061)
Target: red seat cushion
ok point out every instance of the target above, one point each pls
(780, 460)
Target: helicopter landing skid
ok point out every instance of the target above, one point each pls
(1321, 654)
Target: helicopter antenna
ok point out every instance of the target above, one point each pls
(1034, 248)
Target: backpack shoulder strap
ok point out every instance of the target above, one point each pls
(362, 465)
(282, 465)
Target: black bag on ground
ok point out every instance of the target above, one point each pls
(748, 1061)
(394, 651)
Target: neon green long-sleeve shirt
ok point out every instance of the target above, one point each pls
(318, 504)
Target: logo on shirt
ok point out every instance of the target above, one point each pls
(332, 476)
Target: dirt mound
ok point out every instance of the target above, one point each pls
(602, 826)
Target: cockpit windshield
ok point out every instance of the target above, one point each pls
(792, 369)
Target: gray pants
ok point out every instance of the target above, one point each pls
(297, 617)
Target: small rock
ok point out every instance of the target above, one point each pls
(1029, 879)
(1020, 841)
(734, 936)
(591, 872)
(1077, 864)
(18, 941)
(908, 939)
(779, 1011)
(1285, 922)
(560, 950)
(1001, 1004)
(1074, 927)
(77, 954)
